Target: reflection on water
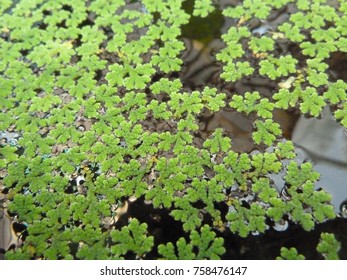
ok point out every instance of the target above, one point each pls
(8, 234)
(324, 142)
(323, 138)
(203, 29)
(337, 65)
(9, 237)
(200, 67)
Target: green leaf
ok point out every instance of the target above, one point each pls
(116, 74)
(186, 102)
(235, 34)
(290, 254)
(265, 163)
(186, 213)
(202, 8)
(252, 102)
(336, 92)
(292, 32)
(317, 79)
(208, 192)
(319, 50)
(224, 175)
(262, 44)
(131, 238)
(264, 190)
(245, 220)
(329, 35)
(284, 98)
(297, 175)
(232, 51)
(187, 124)
(342, 44)
(234, 12)
(312, 102)
(154, 6)
(184, 250)
(328, 246)
(266, 132)
(278, 208)
(139, 76)
(160, 111)
(7, 155)
(276, 67)
(341, 114)
(166, 86)
(285, 150)
(235, 71)
(167, 58)
(218, 143)
(213, 100)
(209, 247)
(245, 104)
(238, 164)
(204, 243)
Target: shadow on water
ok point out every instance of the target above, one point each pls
(267, 246)
(202, 38)
(264, 246)
(337, 66)
(161, 225)
(203, 29)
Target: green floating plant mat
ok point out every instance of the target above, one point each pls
(96, 116)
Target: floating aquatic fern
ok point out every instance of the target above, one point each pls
(290, 254)
(328, 246)
(103, 116)
(205, 243)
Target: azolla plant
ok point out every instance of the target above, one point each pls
(94, 92)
